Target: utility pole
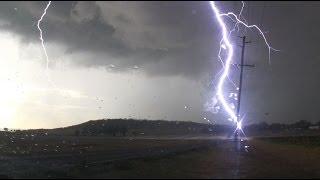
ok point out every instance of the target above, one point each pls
(241, 73)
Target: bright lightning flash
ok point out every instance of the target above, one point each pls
(42, 43)
(227, 46)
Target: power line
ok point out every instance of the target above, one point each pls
(252, 19)
(264, 6)
(248, 12)
(263, 11)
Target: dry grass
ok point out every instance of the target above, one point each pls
(264, 160)
(13, 145)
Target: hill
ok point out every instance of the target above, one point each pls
(132, 127)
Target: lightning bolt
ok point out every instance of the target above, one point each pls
(42, 43)
(226, 44)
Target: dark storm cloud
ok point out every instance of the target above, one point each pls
(180, 38)
(288, 89)
(169, 38)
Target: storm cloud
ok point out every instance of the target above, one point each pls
(174, 45)
(170, 38)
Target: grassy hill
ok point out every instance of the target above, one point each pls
(132, 127)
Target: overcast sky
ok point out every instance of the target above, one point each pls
(153, 60)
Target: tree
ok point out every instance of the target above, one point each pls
(111, 129)
(124, 130)
(276, 126)
(302, 124)
(205, 130)
(84, 130)
(77, 132)
(135, 133)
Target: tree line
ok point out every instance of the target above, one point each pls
(302, 124)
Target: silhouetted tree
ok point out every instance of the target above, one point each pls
(124, 130)
(111, 129)
(114, 130)
(84, 130)
(302, 124)
(135, 133)
(205, 130)
(77, 132)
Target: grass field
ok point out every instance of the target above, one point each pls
(308, 141)
(276, 157)
(58, 156)
(264, 160)
(13, 145)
